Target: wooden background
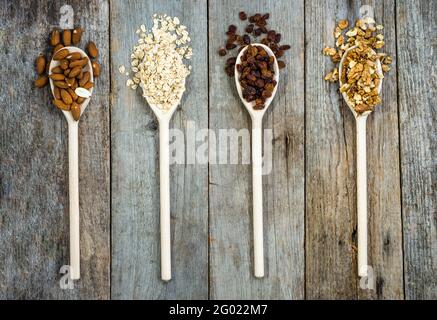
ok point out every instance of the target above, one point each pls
(309, 203)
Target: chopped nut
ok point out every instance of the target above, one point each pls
(343, 24)
(329, 51)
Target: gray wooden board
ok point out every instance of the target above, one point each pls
(330, 169)
(135, 167)
(416, 40)
(34, 232)
(231, 243)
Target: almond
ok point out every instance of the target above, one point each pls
(74, 56)
(41, 81)
(67, 72)
(66, 38)
(74, 85)
(40, 64)
(81, 62)
(75, 111)
(77, 35)
(96, 68)
(61, 105)
(60, 84)
(64, 64)
(57, 48)
(66, 97)
(92, 49)
(88, 85)
(57, 70)
(85, 79)
(57, 76)
(55, 37)
(57, 93)
(72, 94)
(70, 81)
(80, 100)
(61, 54)
(75, 71)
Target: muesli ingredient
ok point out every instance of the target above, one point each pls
(66, 38)
(256, 75)
(359, 77)
(40, 64)
(157, 61)
(77, 35)
(72, 72)
(92, 50)
(257, 26)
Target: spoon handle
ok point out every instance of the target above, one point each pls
(73, 178)
(164, 174)
(362, 195)
(258, 247)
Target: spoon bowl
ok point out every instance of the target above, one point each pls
(340, 79)
(249, 105)
(88, 67)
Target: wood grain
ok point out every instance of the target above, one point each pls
(135, 179)
(416, 40)
(231, 246)
(330, 170)
(34, 237)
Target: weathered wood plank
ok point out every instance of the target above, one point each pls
(231, 247)
(330, 163)
(34, 232)
(416, 39)
(135, 179)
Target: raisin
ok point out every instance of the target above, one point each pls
(231, 61)
(243, 15)
(284, 47)
(271, 35)
(232, 28)
(278, 38)
(266, 16)
(257, 32)
(230, 46)
(222, 52)
(249, 28)
(281, 64)
(246, 39)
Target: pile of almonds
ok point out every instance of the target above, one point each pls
(256, 75)
(256, 28)
(70, 77)
(360, 79)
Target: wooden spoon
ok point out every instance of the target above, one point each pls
(73, 169)
(257, 117)
(360, 120)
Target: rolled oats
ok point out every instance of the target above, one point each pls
(157, 61)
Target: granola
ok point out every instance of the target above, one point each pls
(360, 79)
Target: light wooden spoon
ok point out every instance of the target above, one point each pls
(257, 117)
(360, 120)
(73, 169)
(164, 117)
